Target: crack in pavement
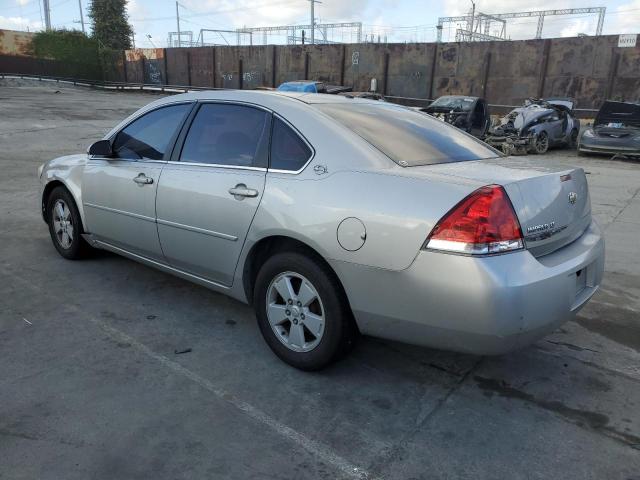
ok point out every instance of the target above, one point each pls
(388, 455)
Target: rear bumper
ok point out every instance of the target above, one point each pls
(480, 305)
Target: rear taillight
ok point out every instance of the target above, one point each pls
(481, 224)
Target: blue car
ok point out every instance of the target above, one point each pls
(305, 86)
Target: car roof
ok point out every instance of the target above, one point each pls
(302, 82)
(457, 96)
(267, 98)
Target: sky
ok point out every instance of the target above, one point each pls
(395, 20)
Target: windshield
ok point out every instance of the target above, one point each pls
(407, 137)
(298, 87)
(454, 103)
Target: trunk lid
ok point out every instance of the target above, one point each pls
(551, 201)
(618, 115)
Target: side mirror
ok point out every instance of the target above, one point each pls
(101, 148)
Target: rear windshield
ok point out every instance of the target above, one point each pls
(454, 103)
(407, 137)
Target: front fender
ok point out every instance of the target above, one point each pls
(67, 171)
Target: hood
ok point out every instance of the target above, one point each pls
(567, 104)
(618, 115)
(527, 116)
(521, 118)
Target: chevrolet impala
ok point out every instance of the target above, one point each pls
(335, 216)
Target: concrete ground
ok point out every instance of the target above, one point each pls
(90, 386)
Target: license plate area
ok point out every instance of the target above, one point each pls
(585, 285)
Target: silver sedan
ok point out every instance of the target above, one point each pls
(335, 216)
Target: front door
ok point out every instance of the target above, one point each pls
(208, 196)
(555, 127)
(119, 193)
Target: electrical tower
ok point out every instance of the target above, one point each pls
(481, 23)
(329, 33)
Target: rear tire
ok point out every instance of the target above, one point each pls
(65, 225)
(302, 312)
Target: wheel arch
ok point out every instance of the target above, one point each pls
(48, 188)
(46, 192)
(270, 245)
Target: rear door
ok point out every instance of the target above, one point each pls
(210, 190)
(119, 193)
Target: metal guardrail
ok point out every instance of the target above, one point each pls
(148, 87)
(155, 88)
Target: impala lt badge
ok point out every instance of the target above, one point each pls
(573, 196)
(541, 228)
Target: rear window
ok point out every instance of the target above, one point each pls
(407, 137)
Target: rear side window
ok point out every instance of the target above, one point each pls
(148, 137)
(227, 134)
(407, 137)
(288, 150)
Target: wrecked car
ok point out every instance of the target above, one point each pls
(466, 113)
(615, 130)
(367, 95)
(536, 126)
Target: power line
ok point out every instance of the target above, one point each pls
(218, 12)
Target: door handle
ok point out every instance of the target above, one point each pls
(142, 179)
(241, 191)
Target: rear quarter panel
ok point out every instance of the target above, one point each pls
(398, 213)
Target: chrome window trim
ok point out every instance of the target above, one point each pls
(204, 231)
(304, 139)
(217, 165)
(236, 102)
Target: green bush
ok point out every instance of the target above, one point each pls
(73, 48)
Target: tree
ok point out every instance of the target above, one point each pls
(110, 23)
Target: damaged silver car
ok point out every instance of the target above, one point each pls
(616, 130)
(536, 126)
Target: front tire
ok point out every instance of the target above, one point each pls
(541, 143)
(65, 225)
(302, 312)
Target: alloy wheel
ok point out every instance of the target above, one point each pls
(62, 224)
(295, 312)
(542, 143)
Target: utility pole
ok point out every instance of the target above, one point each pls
(313, 20)
(81, 17)
(473, 16)
(47, 15)
(178, 22)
